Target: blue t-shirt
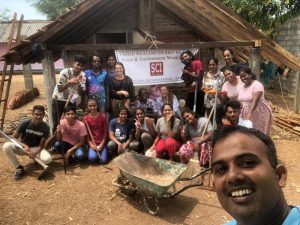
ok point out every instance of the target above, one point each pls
(292, 219)
(121, 131)
(96, 86)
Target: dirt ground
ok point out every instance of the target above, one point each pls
(85, 194)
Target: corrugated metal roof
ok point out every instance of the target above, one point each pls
(29, 27)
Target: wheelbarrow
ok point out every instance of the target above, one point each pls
(151, 177)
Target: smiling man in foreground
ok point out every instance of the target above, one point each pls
(248, 178)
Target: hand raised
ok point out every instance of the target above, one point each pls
(169, 117)
(138, 124)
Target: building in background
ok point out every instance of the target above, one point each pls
(29, 27)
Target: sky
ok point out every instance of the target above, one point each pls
(21, 7)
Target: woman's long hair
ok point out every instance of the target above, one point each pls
(246, 69)
(93, 100)
(121, 64)
(170, 96)
(188, 110)
(173, 118)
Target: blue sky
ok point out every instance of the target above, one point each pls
(21, 7)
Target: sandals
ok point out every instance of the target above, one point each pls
(20, 173)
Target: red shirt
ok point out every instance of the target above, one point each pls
(197, 68)
(98, 127)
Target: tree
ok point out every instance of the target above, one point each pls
(265, 15)
(53, 8)
(4, 14)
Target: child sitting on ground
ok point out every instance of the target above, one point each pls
(71, 134)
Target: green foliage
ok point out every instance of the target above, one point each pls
(4, 15)
(265, 15)
(53, 8)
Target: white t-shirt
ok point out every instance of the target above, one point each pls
(245, 123)
(64, 76)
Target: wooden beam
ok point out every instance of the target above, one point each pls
(146, 16)
(27, 73)
(141, 31)
(98, 16)
(70, 30)
(179, 45)
(152, 4)
(190, 17)
(162, 9)
(219, 23)
(11, 32)
(49, 82)
(238, 23)
(280, 56)
(56, 26)
(141, 15)
(297, 94)
(19, 29)
(212, 18)
(255, 61)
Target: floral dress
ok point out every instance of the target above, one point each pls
(262, 115)
(209, 82)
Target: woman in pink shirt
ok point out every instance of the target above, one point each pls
(232, 85)
(254, 105)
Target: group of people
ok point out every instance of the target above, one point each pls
(248, 178)
(152, 123)
(233, 81)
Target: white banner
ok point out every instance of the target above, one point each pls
(148, 67)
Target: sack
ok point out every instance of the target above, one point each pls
(150, 153)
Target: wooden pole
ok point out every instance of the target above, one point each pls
(255, 61)
(49, 82)
(297, 94)
(27, 73)
(152, 17)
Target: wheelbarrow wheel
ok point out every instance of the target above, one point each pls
(124, 185)
(155, 211)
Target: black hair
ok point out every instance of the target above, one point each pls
(216, 61)
(38, 107)
(246, 69)
(142, 89)
(226, 131)
(188, 110)
(188, 53)
(233, 104)
(94, 100)
(80, 58)
(229, 68)
(230, 50)
(123, 108)
(111, 55)
(97, 54)
(173, 118)
(139, 108)
(70, 108)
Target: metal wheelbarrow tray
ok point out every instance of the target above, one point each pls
(151, 175)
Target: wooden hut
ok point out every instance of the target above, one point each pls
(108, 25)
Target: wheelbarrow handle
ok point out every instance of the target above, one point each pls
(195, 176)
(171, 195)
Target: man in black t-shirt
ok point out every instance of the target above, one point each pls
(32, 135)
